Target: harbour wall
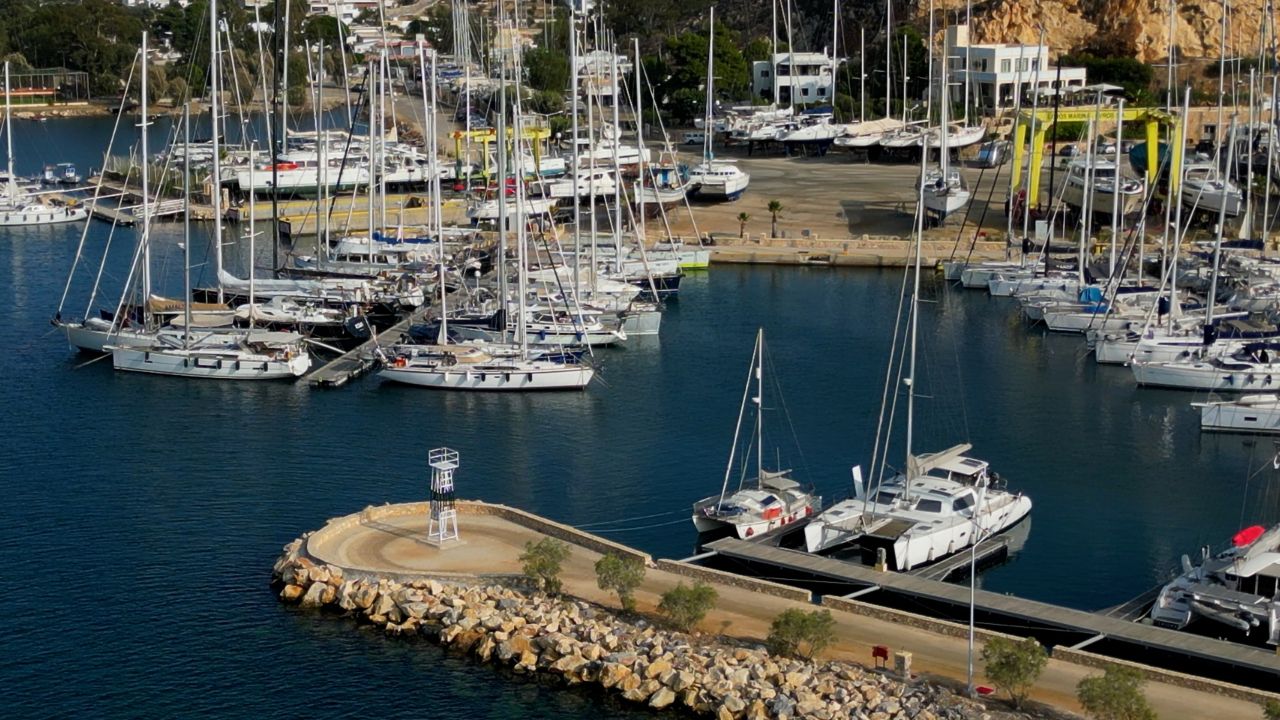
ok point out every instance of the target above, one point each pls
(511, 625)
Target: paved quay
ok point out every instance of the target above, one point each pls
(390, 541)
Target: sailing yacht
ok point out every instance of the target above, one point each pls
(1204, 188)
(714, 179)
(766, 502)
(462, 367)
(241, 355)
(19, 207)
(942, 503)
(1100, 176)
(943, 190)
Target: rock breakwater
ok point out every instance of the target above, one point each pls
(581, 643)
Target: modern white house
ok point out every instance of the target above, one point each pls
(1001, 73)
(802, 78)
(344, 10)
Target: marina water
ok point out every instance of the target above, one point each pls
(141, 514)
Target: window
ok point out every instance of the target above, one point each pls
(822, 92)
(885, 498)
(804, 92)
(962, 503)
(1004, 66)
(932, 506)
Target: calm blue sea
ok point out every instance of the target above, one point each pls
(141, 515)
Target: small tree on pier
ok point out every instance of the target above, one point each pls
(1271, 711)
(542, 561)
(797, 633)
(1115, 695)
(621, 574)
(742, 224)
(1014, 665)
(686, 606)
(775, 209)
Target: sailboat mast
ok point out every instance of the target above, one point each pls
(1175, 191)
(862, 74)
(146, 191)
(1222, 221)
(639, 107)
(773, 50)
(914, 318)
(759, 406)
(501, 149)
(708, 128)
(944, 101)
(968, 55)
(186, 229)
(617, 158)
(888, 60)
(8, 122)
(215, 181)
(522, 261)
(573, 144)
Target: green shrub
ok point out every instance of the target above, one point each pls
(1115, 695)
(621, 574)
(1014, 665)
(686, 606)
(801, 634)
(542, 563)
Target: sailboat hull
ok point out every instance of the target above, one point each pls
(210, 365)
(565, 377)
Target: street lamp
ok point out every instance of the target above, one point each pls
(973, 570)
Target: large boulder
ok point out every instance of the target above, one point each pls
(291, 593)
(662, 698)
(314, 596)
(415, 610)
(612, 674)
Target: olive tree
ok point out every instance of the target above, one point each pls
(542, 561)
(1115, 695)
(1014, 665)
(621, 574)
(797, 633)
(686, 606)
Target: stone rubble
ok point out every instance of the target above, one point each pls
(580, 643)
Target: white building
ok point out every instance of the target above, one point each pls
(802, 78)
(1001, 73)
(344, 10)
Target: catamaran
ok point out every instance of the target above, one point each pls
(942, 503)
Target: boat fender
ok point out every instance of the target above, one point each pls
(400, 362)
(808, 511)
(751, 531)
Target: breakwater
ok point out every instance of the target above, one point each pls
(500, 619)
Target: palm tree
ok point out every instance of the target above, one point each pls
(775, 209)
(742, 224)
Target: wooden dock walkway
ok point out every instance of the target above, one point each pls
(358, 361)
(1091, 626)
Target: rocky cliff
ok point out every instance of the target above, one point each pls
(1139, 28)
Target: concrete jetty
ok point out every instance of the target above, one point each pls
(379, 566)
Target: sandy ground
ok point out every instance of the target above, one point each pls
(493, 545)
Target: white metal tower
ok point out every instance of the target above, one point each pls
(443, 526)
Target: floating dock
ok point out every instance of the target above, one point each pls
(358, 361)
(1052, 624)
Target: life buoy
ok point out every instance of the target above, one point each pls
(400, 362)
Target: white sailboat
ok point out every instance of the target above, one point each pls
(941, 504)
(714, 179)
(766, 502)
(242, 355)
(19, 208)
(462, 367)
(943, 189)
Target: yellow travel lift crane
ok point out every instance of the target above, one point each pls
(536, 137)
(1044, 119)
